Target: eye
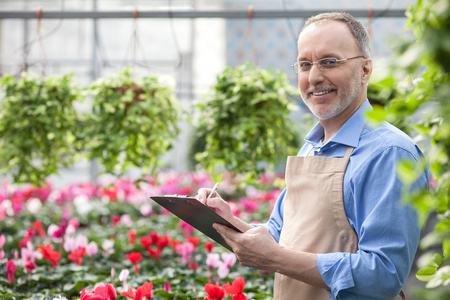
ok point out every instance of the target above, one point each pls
(304, 64)
(328, 62)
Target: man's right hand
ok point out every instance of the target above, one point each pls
(216, 203)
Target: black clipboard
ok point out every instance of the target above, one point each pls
(196, 214)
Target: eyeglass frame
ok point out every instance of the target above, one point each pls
(338, 61)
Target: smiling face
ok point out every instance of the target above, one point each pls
(333, 94)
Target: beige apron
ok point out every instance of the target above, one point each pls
(314, 218)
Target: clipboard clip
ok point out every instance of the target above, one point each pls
(175, 195)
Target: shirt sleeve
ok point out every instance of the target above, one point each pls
(275, 222)
(387, 229)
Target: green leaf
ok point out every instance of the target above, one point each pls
(446, 248)
(425, 274)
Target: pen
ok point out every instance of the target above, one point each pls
(213, 190)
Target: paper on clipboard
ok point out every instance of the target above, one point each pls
(196, 214)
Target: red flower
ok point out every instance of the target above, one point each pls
(163, 242)
(49, 254)
(154, 237)
(155, 253)
(193, 266)
(30, 266)
(209, 246)
(99, 292)
(30, 232)
(132, 236)
(144, 290)
(194, 241)
(39, 228)
(11, 268)
(134, 258)
(115, 220)
(215, 292)
(146, 242)
(77, 256)
(236, 288)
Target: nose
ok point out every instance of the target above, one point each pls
(315, 75)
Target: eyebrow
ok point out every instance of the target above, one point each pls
(326, 55)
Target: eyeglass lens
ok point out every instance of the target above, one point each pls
(326, 63)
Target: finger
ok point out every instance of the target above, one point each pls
(223, 231)
(202, 195)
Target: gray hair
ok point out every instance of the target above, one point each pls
(358, 30)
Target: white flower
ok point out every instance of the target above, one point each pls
(34, 205)
(108, 247)
(82, 204)
(146, 209)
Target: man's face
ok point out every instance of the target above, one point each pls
(330, 93)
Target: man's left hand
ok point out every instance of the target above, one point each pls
(255, 248)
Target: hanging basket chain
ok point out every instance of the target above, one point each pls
(248, 34)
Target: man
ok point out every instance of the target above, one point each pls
(338, 230)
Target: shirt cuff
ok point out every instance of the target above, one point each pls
(336, 272)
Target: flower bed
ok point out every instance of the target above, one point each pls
(109, 240)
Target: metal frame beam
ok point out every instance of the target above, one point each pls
(228, 14)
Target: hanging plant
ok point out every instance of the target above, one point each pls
(133, 122)
(37, 126)
(246, 122)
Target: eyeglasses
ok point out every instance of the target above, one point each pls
(323, 64)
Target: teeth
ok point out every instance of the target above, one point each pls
(321, 93)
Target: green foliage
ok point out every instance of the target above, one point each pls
(246, 122)
(425, 64)
(37, 126)
(133, 122)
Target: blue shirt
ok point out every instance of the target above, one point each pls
(387, 229)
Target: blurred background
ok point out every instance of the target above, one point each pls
(191, 49)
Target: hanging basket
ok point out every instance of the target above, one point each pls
(37, 126)
(132, 123)
(245, 120)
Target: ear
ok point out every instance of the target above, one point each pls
(366, 70)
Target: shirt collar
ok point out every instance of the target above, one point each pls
(348, 134)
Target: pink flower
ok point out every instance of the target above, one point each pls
(123, 276)
(185, 250)
(186, 228)
(99, 292)
(229, 259)
(146, 209)
(234, 208)
(11, 268)
(72, 244)
(30, 266)
(126, 220)
(2, 254)
(2, 240)
(213, 260)
(167, 286)
(92, 249)
(28, 253)
(250, 205)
